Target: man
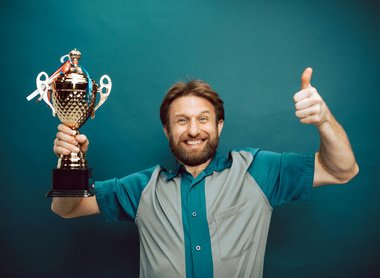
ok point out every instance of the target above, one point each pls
(210, 216)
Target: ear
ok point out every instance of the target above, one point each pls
(166, 132)
(220, 126)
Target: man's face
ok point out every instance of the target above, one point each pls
(194, 134)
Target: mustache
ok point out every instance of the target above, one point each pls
(197, 137)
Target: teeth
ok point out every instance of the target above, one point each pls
(194, 142)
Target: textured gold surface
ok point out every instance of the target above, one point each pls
(70, 100)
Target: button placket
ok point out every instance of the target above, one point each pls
(198, 228)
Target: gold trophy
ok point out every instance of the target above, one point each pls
(71, 94)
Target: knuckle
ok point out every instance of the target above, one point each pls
(316, 118)
(316, 101)
(317, 98)
(314, 110)
(60, 135)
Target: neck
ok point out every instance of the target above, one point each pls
(196, 170)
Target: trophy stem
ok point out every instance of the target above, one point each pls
(73, 160)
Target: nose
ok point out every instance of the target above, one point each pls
(193, 129)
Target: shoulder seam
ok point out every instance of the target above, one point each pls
(261, 192)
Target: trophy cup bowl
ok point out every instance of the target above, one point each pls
(73, 96)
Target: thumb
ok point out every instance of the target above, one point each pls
(305, 78)
(83, 142)
(81, 138)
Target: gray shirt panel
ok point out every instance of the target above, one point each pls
(159, 221)
(239, 217)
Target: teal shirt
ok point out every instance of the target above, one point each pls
(215, 225)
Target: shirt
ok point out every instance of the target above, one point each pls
(214, 225)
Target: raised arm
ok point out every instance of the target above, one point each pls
(69, 207)
(335, 161)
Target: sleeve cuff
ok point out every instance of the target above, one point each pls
(305, 193)
(103, 189)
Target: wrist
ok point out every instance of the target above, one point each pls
(327, 119)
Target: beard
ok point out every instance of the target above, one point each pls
(190, 157)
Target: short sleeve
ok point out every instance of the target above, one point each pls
(283, 177)
(118, 199)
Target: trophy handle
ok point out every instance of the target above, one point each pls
(43, 88)
(103, 96)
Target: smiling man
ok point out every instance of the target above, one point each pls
(192, 123)
(210, 216)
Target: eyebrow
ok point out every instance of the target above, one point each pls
(184, 115)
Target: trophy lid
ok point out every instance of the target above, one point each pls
(75, 55)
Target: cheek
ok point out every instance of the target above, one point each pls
(177, 132)
(212, 130)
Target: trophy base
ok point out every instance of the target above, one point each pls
(71, 193)
(72, 183)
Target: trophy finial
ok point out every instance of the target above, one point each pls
(75, 55)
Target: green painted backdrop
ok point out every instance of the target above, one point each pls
(253, 53)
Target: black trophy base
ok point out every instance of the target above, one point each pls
(72, 183)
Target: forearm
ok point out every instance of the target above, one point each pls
(335, 153)
(65, 206)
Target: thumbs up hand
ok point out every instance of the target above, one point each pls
(310, 107)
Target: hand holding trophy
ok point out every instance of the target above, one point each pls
(71, 94)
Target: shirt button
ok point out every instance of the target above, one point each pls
(194, 214)
(198, 248)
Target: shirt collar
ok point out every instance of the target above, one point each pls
(217, 164)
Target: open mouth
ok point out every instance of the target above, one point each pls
(194, 142)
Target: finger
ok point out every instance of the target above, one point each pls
(65, 145)
(315, 120)
(302, 94)
(304, 103)
(305, 78)
(65, 129)
(308, 112)
(83, 142)
(59, 150)
(67, 138)
(81, 138)
(307, 102)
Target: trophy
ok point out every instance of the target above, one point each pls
(71, 94)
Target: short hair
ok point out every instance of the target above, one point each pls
(193, 87)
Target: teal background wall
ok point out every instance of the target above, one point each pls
(253, 53)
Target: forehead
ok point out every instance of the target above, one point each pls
(191, 106)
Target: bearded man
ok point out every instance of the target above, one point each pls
(210, 216)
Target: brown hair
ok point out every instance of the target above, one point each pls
(193, 87)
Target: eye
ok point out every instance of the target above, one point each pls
(181, 121)
(203, 119)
